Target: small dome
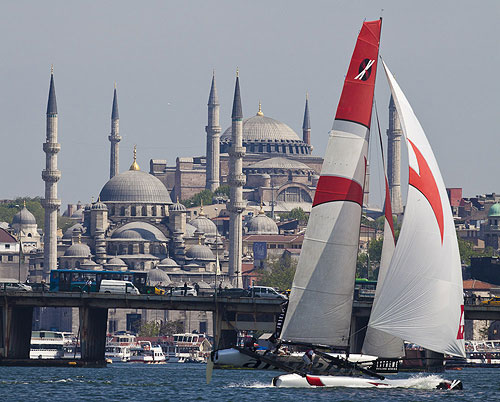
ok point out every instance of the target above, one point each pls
(78, 214)
(200, 252)
(143, 230)
(279, 163)
(156, 276)
(116, 261)
(177, 207)
(135, 186)
(4, 225)
(77, 250)
(24, 217)
(168, 262)
(127, 234)
(190, 229)
(262, 225)
(68, 234)
(203, 224)
(494, 210)
(99, 206)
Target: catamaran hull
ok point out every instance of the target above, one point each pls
(234, 358)
(312, 381)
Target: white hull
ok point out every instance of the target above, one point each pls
(329, 381)
(232, 357)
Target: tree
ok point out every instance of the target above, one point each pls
(160, 328)
(280, 273)
(296, 213)
(467, 251)
(149, 329)
(171, 327)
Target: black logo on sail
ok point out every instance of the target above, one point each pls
(365, 70)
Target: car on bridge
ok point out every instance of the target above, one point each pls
(494, 301)
(234, 292)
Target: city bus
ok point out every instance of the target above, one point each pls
(77, 280)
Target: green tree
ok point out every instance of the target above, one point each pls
(295, 213)
(171, 327)
(375, 250)
(149, 328)
(280, 273)
(223, 190)
(467, 251)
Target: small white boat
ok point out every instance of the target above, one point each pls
(145, 352)
(117, 353)
(49, 344)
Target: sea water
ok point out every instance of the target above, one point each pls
(186, 382)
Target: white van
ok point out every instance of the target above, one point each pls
(114, 286)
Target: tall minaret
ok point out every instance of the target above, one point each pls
(51, 176)
(306, 125)
(213, 139)
(394, 158)
(236, 181)
(114, 138)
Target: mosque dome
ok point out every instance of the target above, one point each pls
(24, 217)
(168, 262)
(200, 252)
(139, 230)
(116, 261)
(262, 225)
(99, 206)
(177, 207)
(278, 164)
(156, 276)
(494, 210)
(190, 229)
(135, 186)
(68, 233)
(78, 214)
(203, 224)
(262, 134)
(78, 250)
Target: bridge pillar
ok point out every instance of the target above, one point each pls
(358, 332)
(17, 331)
(93, 326)
(225, 336)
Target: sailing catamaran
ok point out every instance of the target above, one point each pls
(419, 292)
(419, 297)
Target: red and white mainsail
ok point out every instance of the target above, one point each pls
(320, 305)
(421, 297)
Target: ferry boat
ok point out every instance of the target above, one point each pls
(49, 344)
(189, 348)
(117, 353)
(481, 353)
(145, 352)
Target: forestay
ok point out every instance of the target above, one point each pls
(421, 298)
(320, 303)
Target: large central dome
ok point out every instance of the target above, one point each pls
(263, 134)
(135, 186)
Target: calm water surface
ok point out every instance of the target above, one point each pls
(186, 382)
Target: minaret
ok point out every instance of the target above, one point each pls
(306, 125)
(213, 139)
(51, 176)
(394, 158)
(114, 138)
(236, 181)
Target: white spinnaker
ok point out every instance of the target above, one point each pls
(378, 343)
(320, 305)
(421, 298)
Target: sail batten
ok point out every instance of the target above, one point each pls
(320, 304)
(421, 299)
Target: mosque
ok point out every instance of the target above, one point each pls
(135, 225)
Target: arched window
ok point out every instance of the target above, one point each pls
(130, 249)
(141, 248)
(144, 211)
(133, 211)
(112, 211)
(122, 211)
(153, 210)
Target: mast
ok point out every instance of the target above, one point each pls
(320, 304)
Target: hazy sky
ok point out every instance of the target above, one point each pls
(445, 55)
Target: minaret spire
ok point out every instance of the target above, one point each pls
(306, 125)
(114, 138)
(51, 176)
(213, 131)
(394, 134)
(236, 181)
